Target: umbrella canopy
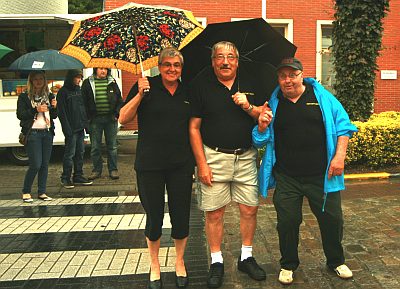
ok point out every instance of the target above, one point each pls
(261, 49)
(4, 50)
(130, 37)
(45, 60)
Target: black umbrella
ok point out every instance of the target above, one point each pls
(45, 60)
(261, 49)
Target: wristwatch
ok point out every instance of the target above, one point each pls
(249, 109)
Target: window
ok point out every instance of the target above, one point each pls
(325, 68)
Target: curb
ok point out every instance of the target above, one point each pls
(381, 175)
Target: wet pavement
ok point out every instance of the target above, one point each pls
(92, 237)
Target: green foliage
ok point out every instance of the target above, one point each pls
(357, 38)
(85, 6)
(377, 143)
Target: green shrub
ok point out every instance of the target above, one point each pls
(377, 143)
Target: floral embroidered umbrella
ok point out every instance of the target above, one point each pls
(130, 37)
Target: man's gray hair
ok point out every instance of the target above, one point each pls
(224, 44)
(170, 52)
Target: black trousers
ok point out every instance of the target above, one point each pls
(288, 201)
(178, 184)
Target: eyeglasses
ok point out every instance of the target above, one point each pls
(291, 75)
(229, 57)
(176, 65)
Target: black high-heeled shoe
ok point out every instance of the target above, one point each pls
(156, 284)
(181, 281)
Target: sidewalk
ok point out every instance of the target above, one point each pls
(371, 233)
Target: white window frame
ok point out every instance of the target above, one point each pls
(286, 23)
(202, 21)
(318, 54)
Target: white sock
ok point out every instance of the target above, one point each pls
(216, 257)
(246, 252)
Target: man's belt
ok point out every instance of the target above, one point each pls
(238, 151)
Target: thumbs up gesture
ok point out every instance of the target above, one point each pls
(265, 117)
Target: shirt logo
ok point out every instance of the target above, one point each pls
(312, 103)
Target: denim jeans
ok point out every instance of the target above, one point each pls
(73, 155)
(38, 148)
(109, 125)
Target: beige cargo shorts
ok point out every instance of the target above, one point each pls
(234, 179)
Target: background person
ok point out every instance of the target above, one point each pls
(102, 100)
(163, 158)
(307, 136)
(220, 135)
(36, 109)
(72, 115)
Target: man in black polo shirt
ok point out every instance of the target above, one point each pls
(306, 131)
(220, 135)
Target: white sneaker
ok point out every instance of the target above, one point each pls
(286, 276)
(343, 272)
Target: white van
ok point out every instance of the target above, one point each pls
(21, 32)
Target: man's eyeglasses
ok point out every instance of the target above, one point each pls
(229, 57)
(176, 65)
(291, 75)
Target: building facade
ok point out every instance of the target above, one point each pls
(308, 24)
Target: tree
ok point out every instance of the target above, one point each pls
(357, 39)
(85, 6)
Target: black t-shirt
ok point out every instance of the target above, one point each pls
(300, 140)
(163, 121)
(223, 123)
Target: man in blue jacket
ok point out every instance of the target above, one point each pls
(306, 131)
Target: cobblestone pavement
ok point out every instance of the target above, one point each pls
(92, 237)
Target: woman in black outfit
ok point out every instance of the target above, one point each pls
(163, 157)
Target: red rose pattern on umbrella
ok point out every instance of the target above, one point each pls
(111, 36)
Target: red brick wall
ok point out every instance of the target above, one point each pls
(305, 15)
(387, 92)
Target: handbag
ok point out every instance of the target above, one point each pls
(23, 138)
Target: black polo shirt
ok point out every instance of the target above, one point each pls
(223, 123)
(300, 140)
(163, 121)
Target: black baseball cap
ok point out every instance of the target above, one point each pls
(290, 62)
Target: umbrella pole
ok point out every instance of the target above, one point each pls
(138, 52)
(145, 91)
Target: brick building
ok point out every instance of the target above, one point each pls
(308, 24)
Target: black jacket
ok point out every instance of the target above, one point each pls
(113, 93)
(26, 113)
(71, 110)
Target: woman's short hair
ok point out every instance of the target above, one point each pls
(170, 52)
(224, 44)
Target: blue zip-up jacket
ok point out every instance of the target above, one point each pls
(336, 123)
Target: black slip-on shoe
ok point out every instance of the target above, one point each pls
(156, 284)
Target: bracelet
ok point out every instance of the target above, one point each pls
(249, 109)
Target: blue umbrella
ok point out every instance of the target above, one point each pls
(45, 60)
(4, 50)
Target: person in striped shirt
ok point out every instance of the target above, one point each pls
(103, 100)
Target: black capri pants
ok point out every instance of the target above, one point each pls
(178, 184)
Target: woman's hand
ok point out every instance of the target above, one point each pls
(53, 103)
(143, 84)
(42, 108)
